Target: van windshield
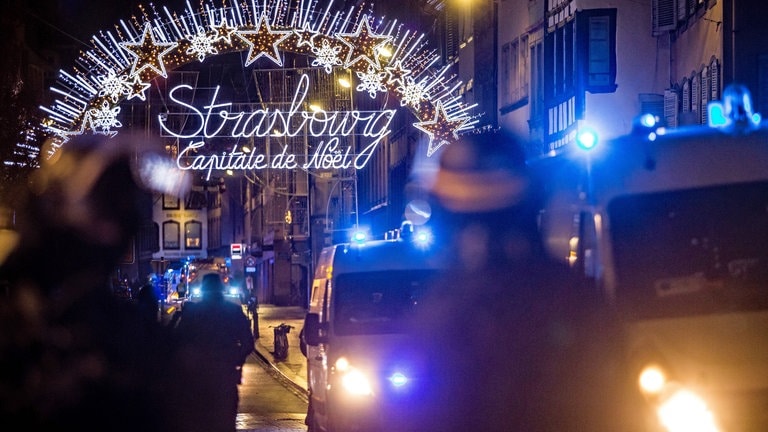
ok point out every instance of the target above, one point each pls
(378, 302)
(691, 252)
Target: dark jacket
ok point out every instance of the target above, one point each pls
(215, 340)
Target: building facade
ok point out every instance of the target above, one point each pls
(566, 65)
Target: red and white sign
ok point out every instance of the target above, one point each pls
(236, 250)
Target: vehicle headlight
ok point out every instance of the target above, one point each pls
(652, 379)
(677, 408)
(197, 292)
(684, 411)
(353, 380)
(234, 291)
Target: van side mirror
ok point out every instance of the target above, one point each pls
(314, 330)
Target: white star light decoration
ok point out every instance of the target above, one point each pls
(263, 41)
(223, 31)
(306, 36)
(441, 129)
(363, 44)
(137, 87)
(149, 53)
(385, 59)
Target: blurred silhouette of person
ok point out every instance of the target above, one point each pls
(216, 341)
(515, 342)
(147, 302)
(72, 356)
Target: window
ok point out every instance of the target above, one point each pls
(514, 74)
(193, 235)
(686, 95)
(664, 16)
(714, 79)
(671, 99)
(705, 92)
(149, 237)
(195, 201)
(600, 50)
(379, 302)
(171, 235)
(524, 69)
(695, 96)
(537, 83)
(170, 202)
(675, 271)
(451, 36)
(508, 69)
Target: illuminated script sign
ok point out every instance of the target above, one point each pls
(379, 56)
(219, 119)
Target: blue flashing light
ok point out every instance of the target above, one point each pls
(359, 236)
(398, 379)
(735, 110)
(716, 114)
(648, 120)
(422, 237)
(586, 139)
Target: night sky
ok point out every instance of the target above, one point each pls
(75, 21)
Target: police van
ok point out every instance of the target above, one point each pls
(362, 374)
(672, 227)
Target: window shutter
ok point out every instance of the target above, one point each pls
(704, 96)
(714, 80)
(671, 98)
(695, 95)
(686, 96)
(682, 10)
(692, 6)
(652, 103)
(451, 36)
(663, 16)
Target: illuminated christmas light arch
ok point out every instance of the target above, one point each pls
(122, 64)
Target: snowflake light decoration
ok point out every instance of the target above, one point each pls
(201, 44)
(104, 118)
(125, 63)
(113, 86)
(413, 93)
(371, 81)
(327, 56)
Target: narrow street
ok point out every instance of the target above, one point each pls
(266, 403)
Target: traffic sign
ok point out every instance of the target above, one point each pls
(250, 264)
(236, 250)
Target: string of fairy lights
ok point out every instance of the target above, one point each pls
(384, 57)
